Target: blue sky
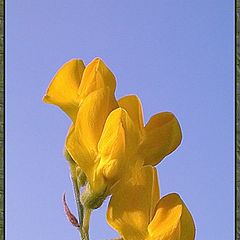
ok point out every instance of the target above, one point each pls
(175, 55)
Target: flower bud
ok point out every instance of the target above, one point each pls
(92, 200)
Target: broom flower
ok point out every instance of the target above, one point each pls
(111, 151)
(137, 212)
(107, 138)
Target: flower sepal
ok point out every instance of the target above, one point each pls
(92, 200)
(81, 177)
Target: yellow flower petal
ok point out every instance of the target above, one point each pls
(129, 210)
(85, 160)
(172, 220)
(162, 136)
(132, 105)
(118, 143)
(63, 88)
(96, 75)
(78, 152)
(92, 115)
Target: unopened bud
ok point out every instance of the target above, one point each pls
(92, 200)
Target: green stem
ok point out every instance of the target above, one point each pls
(79, 207)
(72, 167)
(83, 212)
(78, 202)
(86, 220)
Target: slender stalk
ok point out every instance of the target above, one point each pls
(79, 207)
(86, 220)
(78, 202)
(83, 212)
(72, 167)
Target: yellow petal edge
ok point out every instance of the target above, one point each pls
(63, 89)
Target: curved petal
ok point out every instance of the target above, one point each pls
(172, 220)
(129, 210)
(96, 75)
(63, 88)
(85, 160)
(133, 106)
(78, 152)
(92, 115)
(162, 136)
(119, 141)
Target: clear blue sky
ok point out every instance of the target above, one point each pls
(175, 55)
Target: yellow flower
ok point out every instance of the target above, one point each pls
(137, 212)
(73, 83)
(108, 139)
(161, 135)
(86, 95)
(109, 143)
(106, 155)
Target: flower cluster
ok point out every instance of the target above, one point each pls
(112, 152)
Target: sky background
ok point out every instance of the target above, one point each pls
(175, 55)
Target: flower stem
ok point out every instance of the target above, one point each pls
(86, 220)
(78, 202)
(72, 167)
(83, 212)
(79, 207)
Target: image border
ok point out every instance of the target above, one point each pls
(237, 119)
(2, 118)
